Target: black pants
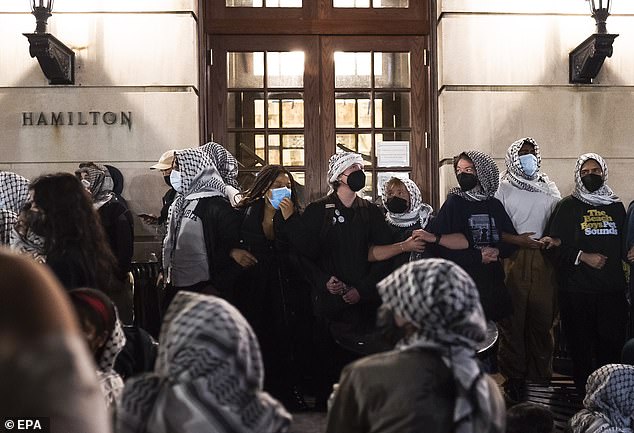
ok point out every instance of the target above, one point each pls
(594, 326)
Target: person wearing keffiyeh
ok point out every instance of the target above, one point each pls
(472, 209)
(14, 193)
(526, 342)
(609, 402)
(431, 382)
(408, 217)
(104, 334)
(203, 228)
(589, 226)
(116, 218)
(45, 366)
(208, 376)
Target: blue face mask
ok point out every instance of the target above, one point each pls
(176, 181)
(279, 194)
(529, 164)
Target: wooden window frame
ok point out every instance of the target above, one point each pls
(317, 17)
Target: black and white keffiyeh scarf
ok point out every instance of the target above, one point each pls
(417, 212)
(488, 178)
(339, 162)
(100, 183)
(208, 376)
(224, 161)
(609, 402)
(29, 244)
(8, 219)
(199, 178)
(110, 381)
(442, 301)
(14, 191)
(538, 182)
(601, 197)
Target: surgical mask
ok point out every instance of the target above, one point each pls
(167, 180)
(356, 180)
(529, 164)
(396, 204)
(592, 182)
(176, 181)
(467, 181)
(277, 195)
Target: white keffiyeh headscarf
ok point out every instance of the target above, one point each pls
(14, 191)
(417, 212)
(208, 376)
(442, 301)
(601, 197)
(99, 180)
(538, 182)
(339, 162)
(609, 402)
(488, 177)
(224, 161)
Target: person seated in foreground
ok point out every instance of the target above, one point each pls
(529, 418)
(208, 376)
(45, 367)
(432, 381)
(104, 335)
(609, 402)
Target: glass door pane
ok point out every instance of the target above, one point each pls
(265, 110)
(372, 103)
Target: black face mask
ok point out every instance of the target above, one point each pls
(167, 180)
(592, 182)
(467, 181)
(396, 204)
(32, 220)
(356, 180)
(386, 325)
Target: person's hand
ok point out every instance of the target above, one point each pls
(243, 257)
(149, 219)
(527, 241)
(489, 255)
(594, 260)
(630, 255)
(335, 286)
(549, 242)
(351, 296)
(413, 244)
(287, 208)
(424, 235)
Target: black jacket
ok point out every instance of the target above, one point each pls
(221, 229)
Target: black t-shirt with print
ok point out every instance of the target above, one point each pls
(592, 229)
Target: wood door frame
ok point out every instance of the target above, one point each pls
(217, 90)
(317, 17)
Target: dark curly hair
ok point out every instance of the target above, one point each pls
(263, 181)
(70, 222)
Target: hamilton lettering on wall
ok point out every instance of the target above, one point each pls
(77, 118)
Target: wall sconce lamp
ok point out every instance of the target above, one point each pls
(56, 59)
(586, 60)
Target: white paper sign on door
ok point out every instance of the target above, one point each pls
(392, 153)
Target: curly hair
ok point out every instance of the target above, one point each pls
(262, 183)
(70, 221)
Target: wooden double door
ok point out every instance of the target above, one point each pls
(296, 100)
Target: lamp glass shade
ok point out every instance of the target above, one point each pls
(46, 4)
(602, 4)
